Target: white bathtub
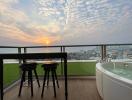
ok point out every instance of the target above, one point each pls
(114, 81)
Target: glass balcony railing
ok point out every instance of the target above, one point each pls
(77, 68)
(81, 59)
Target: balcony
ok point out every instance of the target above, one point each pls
(81, 71)
(87, 86)
(63, 27)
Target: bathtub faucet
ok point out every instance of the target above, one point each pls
(107, 59)
(125, 65)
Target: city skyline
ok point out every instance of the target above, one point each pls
(62, 22)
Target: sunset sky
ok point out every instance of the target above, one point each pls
(60, 22)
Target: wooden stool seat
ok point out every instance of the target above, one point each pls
(28, 66)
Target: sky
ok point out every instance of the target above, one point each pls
(65, 22)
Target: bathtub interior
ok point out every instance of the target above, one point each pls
(123, 69)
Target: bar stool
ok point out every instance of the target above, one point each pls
(28, 67)
(50, 67)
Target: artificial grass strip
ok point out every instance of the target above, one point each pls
(11, 71)
(81, 68)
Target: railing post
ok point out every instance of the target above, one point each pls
(25, 51)
(1, 79)
(62, 67)
(103, 52)
(20, 60)
(61, 63)
(65, 75)
(19, 52)
(63, 48)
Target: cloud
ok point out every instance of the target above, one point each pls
(8, 2)
(118, 33)
(103, 22)
(9, 14)
(50, 7)
(48, 11)
(66, 21)
(88, 12)
(12, 32)
(50, 28)
(16, 25)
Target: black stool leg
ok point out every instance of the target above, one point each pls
(56, 78)
(53, 79)
(30, 76)
(24, 78)
(21, 84)
(48, 78)
(45, 75)
(36, 77)
(29, 79)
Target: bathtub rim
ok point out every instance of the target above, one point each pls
(125, 81)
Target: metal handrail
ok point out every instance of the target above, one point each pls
(64, 45)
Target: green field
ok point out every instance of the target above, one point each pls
(11, 71)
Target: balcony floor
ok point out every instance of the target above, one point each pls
(78, 89)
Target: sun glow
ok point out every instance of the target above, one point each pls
(47, 42)
(44, 40)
